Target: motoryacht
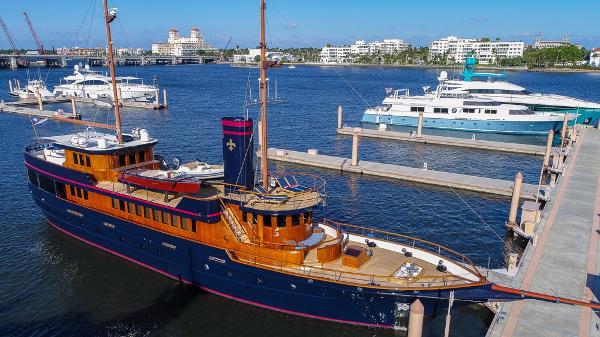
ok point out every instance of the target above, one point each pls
(31, 90)
(93, 84)
(491, 85)
(457, 110)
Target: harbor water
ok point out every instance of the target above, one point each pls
(53, 285)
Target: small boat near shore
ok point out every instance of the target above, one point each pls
(31, 90)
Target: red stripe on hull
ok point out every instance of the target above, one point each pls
(237, 133)
(215, 291)
(237, 124)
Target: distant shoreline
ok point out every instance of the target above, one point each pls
(457, 67)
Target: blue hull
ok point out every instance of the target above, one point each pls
(524, 128)
(210, 268)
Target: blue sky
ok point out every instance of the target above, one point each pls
(303, 23)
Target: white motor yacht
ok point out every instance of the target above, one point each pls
(31, 90)
(93, 84)
(456, 110)
(491, 85)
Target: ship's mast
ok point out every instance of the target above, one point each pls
(109, 17)
(263, 99)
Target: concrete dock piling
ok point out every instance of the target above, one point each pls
(415, 319)
(39, 99)
(563, 131)
(165, 98)
(73, 107)
(514, 203)
(340, 111)
(548, 148)
(420, 124)
(156, 99)
(355, 147)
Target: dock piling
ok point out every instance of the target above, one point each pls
(420, 124)
(120, 95)
(355, 147)
(39, 99)
(563, 131)
(514, 203)
(165, 98)
(415, 319)
(156, 99)
(548, 148)
(73, 107)
(340, 110)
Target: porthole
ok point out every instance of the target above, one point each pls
(206, 267)
(292, 286)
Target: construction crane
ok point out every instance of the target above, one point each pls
(36, 39)
(225, 50)
(9, 37)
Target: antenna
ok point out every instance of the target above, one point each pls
(110, 15)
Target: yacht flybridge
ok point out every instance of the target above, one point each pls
(253, 240)
(491, 85)
(93, 84)
(457, 110)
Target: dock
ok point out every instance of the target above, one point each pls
(564, 260)
(410, 174)
(448, 141)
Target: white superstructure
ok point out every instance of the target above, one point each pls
(182, 46)
(455, 49)
(93, 84)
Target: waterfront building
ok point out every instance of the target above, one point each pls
(77, 51)
(254, 54)
(456, 49)
(595, 58)
(130, 51)
(177, 45)
(541, 44)
(344, 54)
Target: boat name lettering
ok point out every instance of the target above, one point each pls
(108, 224)
(75, 213)
(216, 259)
(168, 245)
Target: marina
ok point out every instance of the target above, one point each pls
(226, 214)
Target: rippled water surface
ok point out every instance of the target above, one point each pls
(54, 285)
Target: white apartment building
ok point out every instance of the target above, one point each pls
(456, 49)
(129, 51)
(182, 46)
(595, 58)
(345, 54)
(254, 54)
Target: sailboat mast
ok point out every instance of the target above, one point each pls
(263, 99)
(111, 64)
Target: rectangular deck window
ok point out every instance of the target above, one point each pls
(46, 184)
(184, 223)
(122, 161)
(79, 194)
(266, 220)
(88, 163)
(72, 190)
(165, 218)
(115, 202)
(156, 215)
(138, 210)
(147, 212)
(81, 159)
(85, 194)
(32, 177)
(122, 205)
(175, 220)
(295, 219)
(194, 224)
(244, 217)
(131, 207)
(131, 158)
(142, 156)
(281, 220)
(75, 159)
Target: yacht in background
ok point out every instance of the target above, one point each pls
(489, 85)
(93, 84)
(457, 110)
(30, 90)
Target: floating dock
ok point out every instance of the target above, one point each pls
(448, 141)
(417, 175)
(564, 260)
(21, 109)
